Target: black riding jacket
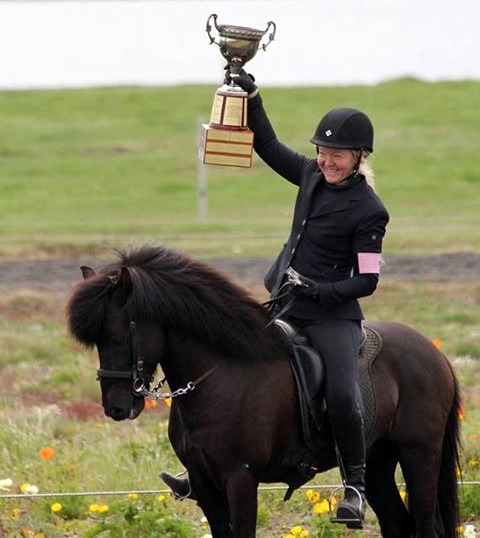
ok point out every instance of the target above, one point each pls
(332, 225)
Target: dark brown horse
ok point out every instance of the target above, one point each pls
(235, 420)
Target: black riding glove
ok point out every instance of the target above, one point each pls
(243, 79)
(304, 286)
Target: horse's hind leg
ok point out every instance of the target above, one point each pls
(382, 492)
(420, 466)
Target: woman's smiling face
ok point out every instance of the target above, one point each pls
(336, 164)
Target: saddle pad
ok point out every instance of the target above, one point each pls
(369, 352)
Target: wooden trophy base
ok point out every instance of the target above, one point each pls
(226, 147)
(227, 140)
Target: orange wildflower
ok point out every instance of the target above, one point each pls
(461, 414)
(150, 404)
(47, 453)
(437, 343)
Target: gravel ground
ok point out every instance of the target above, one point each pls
(247, 271)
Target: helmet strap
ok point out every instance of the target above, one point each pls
(357, 165)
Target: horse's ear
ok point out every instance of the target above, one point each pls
(87, 272)
(125, 278)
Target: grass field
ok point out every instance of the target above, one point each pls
(81, 169)
(50, 400)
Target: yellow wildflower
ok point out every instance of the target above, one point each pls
(313, 496)
(56, 507)
(168, 402)
(296, 530)
(322, 507)
(133, 496)
(28, 488)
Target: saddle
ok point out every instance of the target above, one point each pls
(309, 372)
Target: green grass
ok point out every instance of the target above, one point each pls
(50, 398)
(81, 169)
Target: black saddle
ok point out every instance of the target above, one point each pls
(309, 372)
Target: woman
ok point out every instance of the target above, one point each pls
(335, 249)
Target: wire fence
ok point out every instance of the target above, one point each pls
(163, 491)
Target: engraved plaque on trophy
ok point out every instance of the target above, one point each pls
(227, 140)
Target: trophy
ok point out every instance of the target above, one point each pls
(227, 140)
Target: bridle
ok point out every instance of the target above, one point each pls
(136, 372)
(140, 384)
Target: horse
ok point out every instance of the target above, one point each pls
(234, 422)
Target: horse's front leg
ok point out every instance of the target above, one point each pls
(212, 502)
(241, 487)
(232, 512)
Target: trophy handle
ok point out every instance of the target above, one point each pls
(271, 37)
(209, 28)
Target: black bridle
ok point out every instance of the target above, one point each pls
(135, 372)
(140, 384)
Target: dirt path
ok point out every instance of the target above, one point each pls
(247, 271)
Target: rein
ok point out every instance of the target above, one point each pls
(140, 385)
(271, 304)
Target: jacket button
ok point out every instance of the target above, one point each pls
(293, 251)
(299, 235)
(304, 222)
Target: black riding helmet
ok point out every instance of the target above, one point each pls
(346, 128)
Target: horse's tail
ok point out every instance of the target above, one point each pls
(447, 492)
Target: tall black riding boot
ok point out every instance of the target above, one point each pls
(180, 487)
(350, 440)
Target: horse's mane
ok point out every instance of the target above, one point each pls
(189, 296)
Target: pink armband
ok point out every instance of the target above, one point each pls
(369, 262)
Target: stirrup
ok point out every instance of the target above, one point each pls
(350, 521)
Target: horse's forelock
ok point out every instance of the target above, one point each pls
(86, 309)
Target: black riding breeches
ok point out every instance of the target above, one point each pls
(338, 342)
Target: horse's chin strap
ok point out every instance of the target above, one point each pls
(191, 385)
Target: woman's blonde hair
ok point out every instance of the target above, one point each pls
(365, 168)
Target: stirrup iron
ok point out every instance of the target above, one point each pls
(350, 522)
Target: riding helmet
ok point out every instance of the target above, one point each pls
(346, 128)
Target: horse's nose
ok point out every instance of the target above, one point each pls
(117, 413)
